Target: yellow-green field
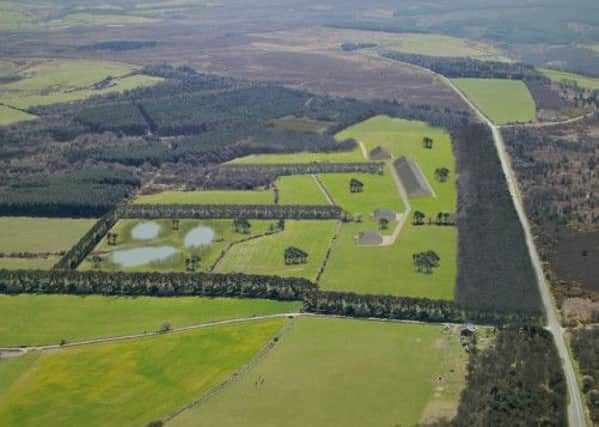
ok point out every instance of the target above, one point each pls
(502, 101)
(390, 269)
(265, 255)
(128, 382)
(52, 81)
(10, 115)
(339, 372)
(214, 197)
(41, 235)
(582, 81)
(336, 157)
(48, 319)
(300, 190)
(379, 192)
(41, 263)
(223, 230)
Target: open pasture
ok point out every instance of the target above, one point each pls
(46, 82)
(48, 319)
(503, 101)
(305, 157)
(41, 235)
(209, 197)
(265, 254)
(166, 249)
(128, 382)
(582, 81)
(300, 190)
(339, 372)
(9, 115)
(37, 263)
(379, 191)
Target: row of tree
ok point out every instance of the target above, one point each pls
(154, 284)
(231, 211)
(306, 168)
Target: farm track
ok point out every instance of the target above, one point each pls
(389, 240)
(576, 411)
(549, 124)
(324, 191)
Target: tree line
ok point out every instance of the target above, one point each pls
(231, 211)
(154, 284)
(306, 168)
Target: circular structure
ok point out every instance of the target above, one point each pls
(199, 236)
(145, 231)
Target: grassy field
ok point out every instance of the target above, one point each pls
(438, 45)
(503, 101)
(38, 235)
(125, 383)
(379, 192)
(28, 263)
(300, 190)
(389, 270)
(10, 115)
(223, 235)
(340, 157)
(582, 81)
(265, 255)
(339, 372)
(262, 197)
(48, 319)
(51, 81)
(301, 124)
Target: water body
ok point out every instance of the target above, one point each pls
(145, 231)
(140, 256)
(199, 236)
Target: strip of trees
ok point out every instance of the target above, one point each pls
(231, 211)
(306, 168)
(154, 284)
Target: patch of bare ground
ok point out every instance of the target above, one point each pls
(580, 310)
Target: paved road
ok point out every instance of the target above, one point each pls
(576, 411)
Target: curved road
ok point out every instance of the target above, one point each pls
(576, 411)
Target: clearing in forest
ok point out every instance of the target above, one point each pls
(354, 155)
(134, 382)
(48, 319)
(44, 82)
(209, 197)
(582, 81)
(343, 372)
(502, 101)
(9, 115)
(166, 245)
(265, 255)
(300, 190)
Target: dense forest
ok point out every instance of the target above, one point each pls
(518, 382)
(494, 268)
(585, 345)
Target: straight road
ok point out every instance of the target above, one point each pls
(576, 411)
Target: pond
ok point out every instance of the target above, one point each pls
(199, 236)
(140, 256)
(145, 231)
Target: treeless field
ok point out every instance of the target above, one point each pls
(300, 190)
(41, 263)
(582, 81)
(48, 319)
(340, 372)
(10, 115)
(128, 382)
(40, 235)
(261, 197)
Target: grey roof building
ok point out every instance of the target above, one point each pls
(369, 238)
(412, 178)
(388, 214)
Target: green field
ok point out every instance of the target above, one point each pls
(125, 383)
(40, 235)
(265, 255)
(437, 45)
(300, 190)
(52, 81)
(42, 263)
(379, 192)
(337, 157)
(502, 101)
(48, 319)
(215, 197)
(390, 270)
(582, 81)
(223, 235)
(10, 115)
(339, 372)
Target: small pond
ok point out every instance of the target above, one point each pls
(140, 256)
(199, 236)
(145, 231)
